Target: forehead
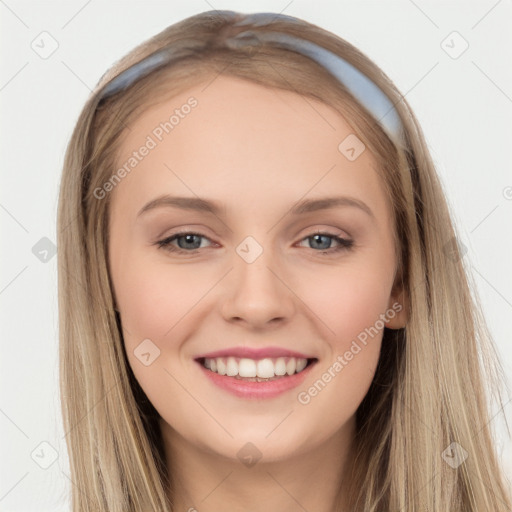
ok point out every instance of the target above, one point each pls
(232, 138)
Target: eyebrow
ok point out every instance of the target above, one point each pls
(214, 208)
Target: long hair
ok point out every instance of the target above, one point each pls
(430, 386)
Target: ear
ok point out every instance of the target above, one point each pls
(396, 313)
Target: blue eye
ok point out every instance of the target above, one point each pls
(190, 242)
(343, 243)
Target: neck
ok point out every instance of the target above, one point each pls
(205, 481)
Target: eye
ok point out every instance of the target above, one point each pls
(187, 242)
(321, 241)
(190, 242)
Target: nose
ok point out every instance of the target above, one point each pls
(257, 294)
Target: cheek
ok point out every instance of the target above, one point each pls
(164, 304)
(157, 304)
(349, 301)
(154, 298)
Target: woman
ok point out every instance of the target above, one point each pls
(257, 369)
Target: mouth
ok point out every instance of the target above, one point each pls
(256, 370)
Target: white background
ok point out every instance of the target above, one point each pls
(464, 106)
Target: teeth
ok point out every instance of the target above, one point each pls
(301, 364)
(280, 366)
(255, 369)
(264, 369)
(221, 366)
(245, 368)
(231, 367)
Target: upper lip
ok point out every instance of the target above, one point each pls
(254, 353)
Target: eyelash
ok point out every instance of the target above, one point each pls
(344, 243)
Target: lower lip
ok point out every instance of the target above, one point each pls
(257, 390)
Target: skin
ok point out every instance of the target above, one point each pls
(256, 151)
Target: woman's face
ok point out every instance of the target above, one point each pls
(250, 165)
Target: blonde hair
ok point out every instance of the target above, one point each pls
(430, 386)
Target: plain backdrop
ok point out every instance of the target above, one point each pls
(463, 101)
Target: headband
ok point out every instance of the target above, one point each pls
(358, 84)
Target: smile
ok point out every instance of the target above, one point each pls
(256, 378)
(268, 368)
